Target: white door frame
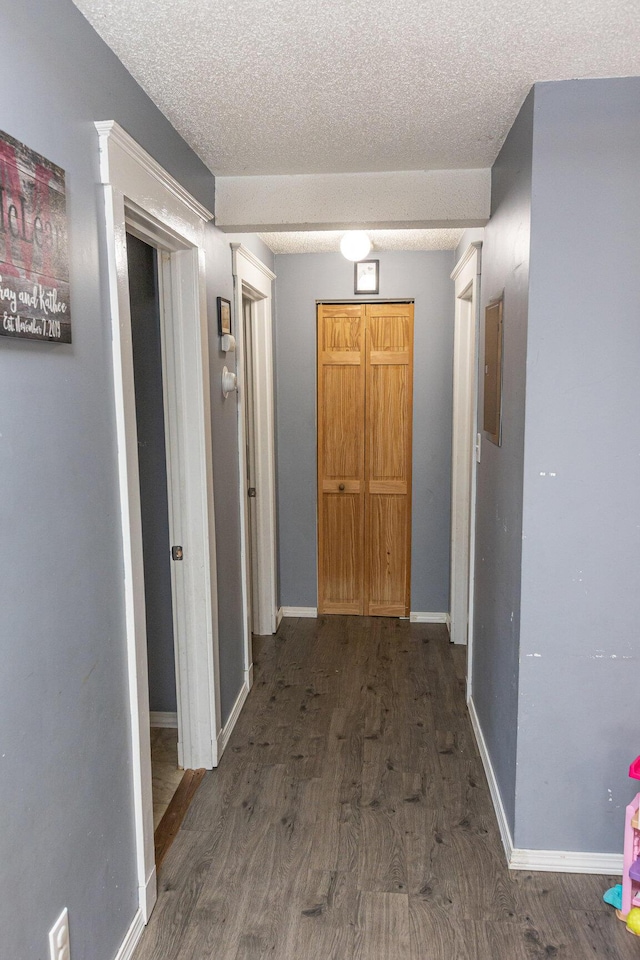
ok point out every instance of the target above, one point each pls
(466, 276)
(252, 280)
(249, 406)
(142, 198)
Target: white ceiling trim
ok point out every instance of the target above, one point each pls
(412, 199)
(111, 132)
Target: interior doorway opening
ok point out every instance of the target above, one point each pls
(465, 448)
(143, 199)
(144, 266)
(250, 418)
(256, 444)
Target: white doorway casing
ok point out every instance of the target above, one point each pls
(249, 405)
(253, 280)
(142, 198)
(466, 276)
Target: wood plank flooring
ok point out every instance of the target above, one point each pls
(350, 819)
(164, 769)
(167, 830)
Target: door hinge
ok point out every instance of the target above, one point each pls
(251, 492)
(176, 553)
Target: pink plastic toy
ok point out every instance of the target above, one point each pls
(631, 859)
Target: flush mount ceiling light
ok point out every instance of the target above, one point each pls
(355, 245)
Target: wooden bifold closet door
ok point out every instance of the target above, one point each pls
(365, 385)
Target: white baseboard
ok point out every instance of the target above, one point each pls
(279, 616)
(299, 611)
(227, 730)
(554, 861)
(496, 799)
(148, 894)
(416, 617)
(566, 861)
(131, 938)
(159, 718)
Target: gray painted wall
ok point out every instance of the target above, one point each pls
(557, 605)
(65, 775)
(505, 268)
(224, 428)
(303, 279)
(258, 247)
(581, 548)
(152, 461)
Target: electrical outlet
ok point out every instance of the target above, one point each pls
(59, 938)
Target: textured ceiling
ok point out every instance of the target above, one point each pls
(328, 241)
(289, 86)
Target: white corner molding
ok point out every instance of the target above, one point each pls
(166, 720)
(473, 250)
(132, 938)
(252, 259)
(334, 201)
(553, 861)
(227, 730)
(299, 611)
(417, 617)
(110, 131)
(279, 616)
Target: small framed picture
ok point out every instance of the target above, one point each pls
(367, 276)
(224, 316)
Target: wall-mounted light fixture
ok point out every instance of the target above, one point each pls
(355, 245)
(229, 382)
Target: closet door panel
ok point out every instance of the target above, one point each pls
(387, 422)
(389, 411)
(341, 414)
(342, 553)
(387, 552)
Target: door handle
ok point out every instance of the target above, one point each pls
(341, 486)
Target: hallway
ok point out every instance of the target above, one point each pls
(350, 818)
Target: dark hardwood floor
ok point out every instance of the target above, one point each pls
(350, 819)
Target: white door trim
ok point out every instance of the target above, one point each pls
(141, 197)
(466, 276)
(253, 279)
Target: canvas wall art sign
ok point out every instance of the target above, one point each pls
(34, 258)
